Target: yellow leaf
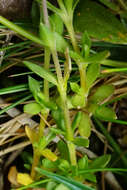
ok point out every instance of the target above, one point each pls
(48, 154)
(24, 179)
(32, 135)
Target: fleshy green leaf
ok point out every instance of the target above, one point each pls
(42, 100)
(52, 39)
(47, 36)
(74, 87)
(32, 108)
(34, 86)
(102, 93)
(64, 165)
(105, 113)
(79, 141)
(76, 120)
(57, 23)
(99, 22)
(77, 57)
(61, 44)
(48, 164)
(41, 72)
(85, 40)
(63, 149)
(92, 74)
(85, 125)
(97, 58)
(100, 162)
(83, 163)
(70, 183)
(58, 117)
(78, 100)
(86, 44)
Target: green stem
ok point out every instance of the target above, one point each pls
(72, 35)
(46, 66)
(57, 66)
(72, 153)
(82, 72)
(42, 126)
(69, 130)
(62, 91)
(36, 158)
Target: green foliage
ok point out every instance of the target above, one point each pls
(77, 72)
(92, 74)
(41, 72)
(100, 162)
(102, 25)
(57, 24)
(85, 125)
(102, 93)
(71, 184)
(105, 113)
(32, 108)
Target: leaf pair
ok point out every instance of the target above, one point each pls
(34, 86)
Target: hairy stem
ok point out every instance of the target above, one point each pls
(62, 91)
(75, 47)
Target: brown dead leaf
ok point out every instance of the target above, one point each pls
(12, 175)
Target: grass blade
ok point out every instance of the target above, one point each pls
(15, 104)
(20, 30)
(72, 184)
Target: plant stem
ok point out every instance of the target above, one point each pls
(36, 158)
(72, 153)
(75, 46)
(69, 134)
(57, 66)
(46, 66)
(46, 50)
(62, 95)
(45, 13)
(69, 131)
(72, 36)
(62, 91)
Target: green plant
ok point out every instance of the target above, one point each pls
(82, 96)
